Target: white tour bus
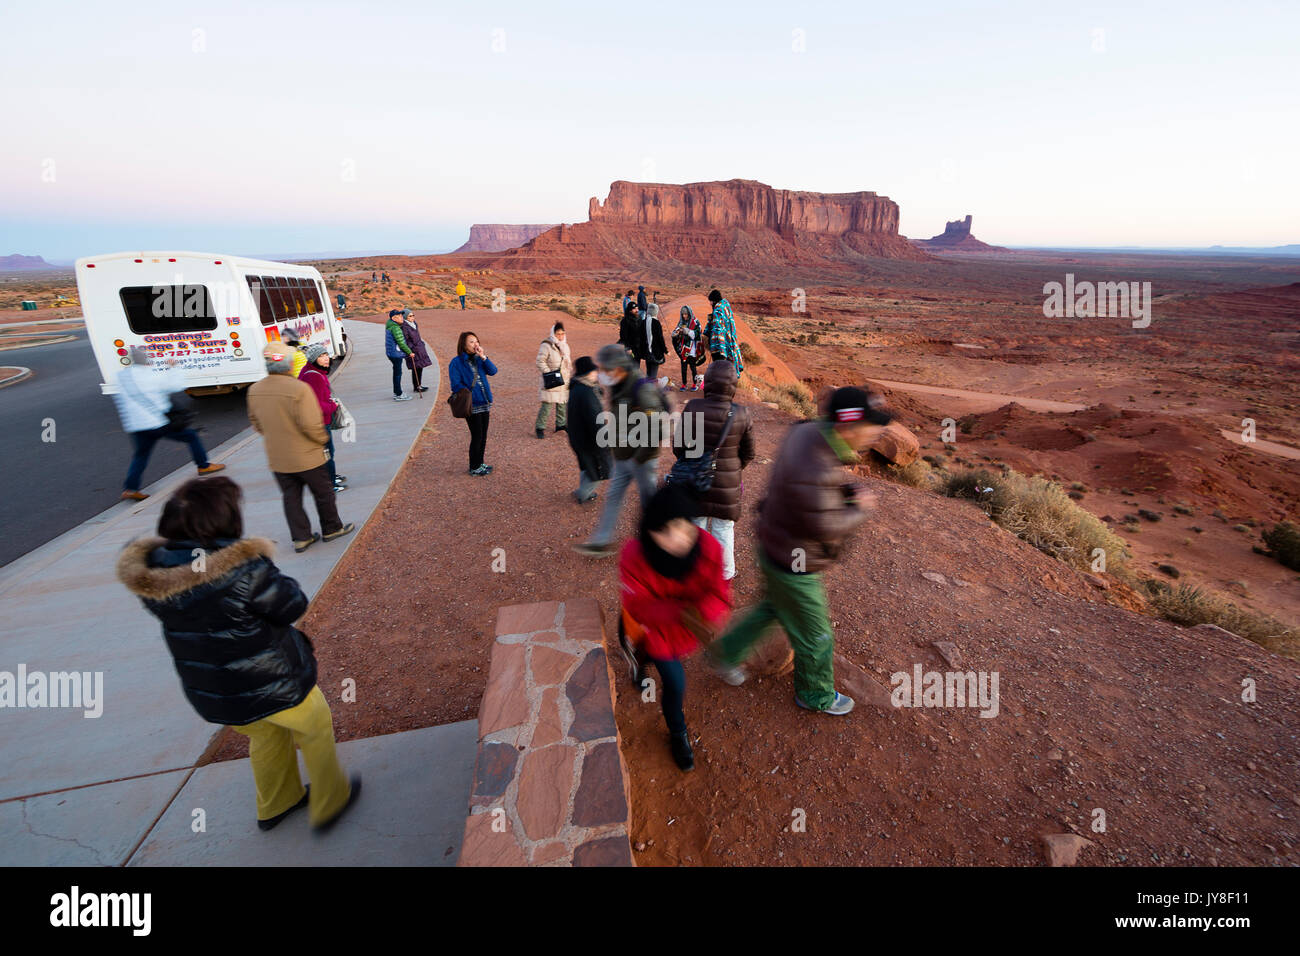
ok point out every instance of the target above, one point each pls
(213, 314)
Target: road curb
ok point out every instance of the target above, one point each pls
(23, 373)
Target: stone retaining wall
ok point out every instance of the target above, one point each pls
(550, 786)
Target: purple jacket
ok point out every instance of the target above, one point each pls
(419, 353)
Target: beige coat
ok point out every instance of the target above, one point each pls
(284, 411)
(551, 357)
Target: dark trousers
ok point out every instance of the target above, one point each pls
(417, 376)
(478, 428)
(673, 678)
(320, 484)
(397, 374)
(651, 369)
(694, 368)
(143, 443)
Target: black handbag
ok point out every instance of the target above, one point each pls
(695, 475)
(552, 379)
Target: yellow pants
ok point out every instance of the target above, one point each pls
(271, 743)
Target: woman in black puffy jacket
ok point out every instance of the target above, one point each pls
(227, 615)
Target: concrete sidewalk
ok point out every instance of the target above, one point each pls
(86, 790)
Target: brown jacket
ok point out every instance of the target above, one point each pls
(722, 500)
(806, 507)
(284, 411)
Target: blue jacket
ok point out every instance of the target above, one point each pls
(461, 375)
(395, 345)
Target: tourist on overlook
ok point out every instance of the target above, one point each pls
(675, 597)
(642, 303)
(316, 374)
(227, 615)
(594, 462)
(688, 341)
(812, 508)
(723, 343)
(636, 415)
(652, 333)
(629, 331)
(418, 359)
(719, 507)
(469, 370)
(556, 365)
(397, 349)
(460, 291)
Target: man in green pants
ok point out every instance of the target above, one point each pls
(811, 509)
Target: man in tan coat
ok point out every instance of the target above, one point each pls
(284, 411)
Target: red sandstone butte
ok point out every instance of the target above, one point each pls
(738, 223)
(496, 237)
(956, 237)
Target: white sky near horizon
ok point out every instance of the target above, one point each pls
(1176, 125)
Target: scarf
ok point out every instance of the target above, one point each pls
(669, 565)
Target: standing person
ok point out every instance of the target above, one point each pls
(284, 411)
(228, 624)
(469, 370)
(594, 463)
(398, 350)
(418, 359)
(674, 590)
(631, 432)
(642, 303)
(144, 400)
(316, 374)
(298, 357)
(811, 510)
(689, 343)
(460, 291)
(653, 333)
(630, 335)
(553, 356)
(723, 343)
(719, 507)
(628, 299)
(374, 277)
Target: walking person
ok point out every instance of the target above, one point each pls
(655, 349)
(631, 431)
(469, 369)
(398, 350)
(284, 411)
(688, 342)
(228, 623)
(461, 292)
(418, 360)
(630, 334)
(642, 303)
(594, 462)
(723, 343)
(316, 374)
(811, 509)
(674, 597)
(144, 403)
(556, 365)
(720, 506)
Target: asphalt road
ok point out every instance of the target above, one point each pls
(49, 487)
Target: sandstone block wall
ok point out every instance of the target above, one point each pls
(550, 785)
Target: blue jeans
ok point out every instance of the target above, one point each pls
(143, 443)
(625, 472)
(329, 447)
(398, 365)
(586, 486)
(671, 695)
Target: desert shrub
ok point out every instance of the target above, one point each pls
(917, 475)
(1188, 606)
(1039, 512)
(1283, 541)
(749, 354)
(794, 399)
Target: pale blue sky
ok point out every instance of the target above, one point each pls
(1177, 124)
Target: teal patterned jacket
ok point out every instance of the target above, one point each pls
(722, 335)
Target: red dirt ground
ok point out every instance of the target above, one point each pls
(1101, 708)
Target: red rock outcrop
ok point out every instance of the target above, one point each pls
(956, 237)
(739, 224)
(495, 237)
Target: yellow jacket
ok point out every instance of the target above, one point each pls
(299, 360)
(460, 288)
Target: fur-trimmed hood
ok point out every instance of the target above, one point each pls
(159, 584)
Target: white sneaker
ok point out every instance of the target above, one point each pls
(403, 398)
(734, 676)
(840, 706)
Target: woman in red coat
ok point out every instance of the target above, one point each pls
(675, 597)
(315, 373)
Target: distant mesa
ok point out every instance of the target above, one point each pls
(494, 237)
(738, 224)
(17, 263)
(956, 237)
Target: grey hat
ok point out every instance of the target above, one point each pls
(313, 352)
(613, 356)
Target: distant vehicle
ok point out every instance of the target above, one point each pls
(213, 314)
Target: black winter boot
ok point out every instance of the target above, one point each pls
(682, 752)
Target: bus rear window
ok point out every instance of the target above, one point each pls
(154, 309)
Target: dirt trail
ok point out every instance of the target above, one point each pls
(1099, 708)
